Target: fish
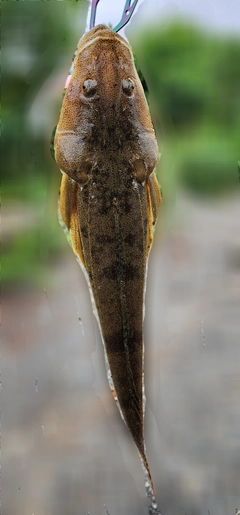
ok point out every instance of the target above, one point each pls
(106, 149)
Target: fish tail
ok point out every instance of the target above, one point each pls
(148, 478)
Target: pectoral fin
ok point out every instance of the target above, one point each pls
(155, 194)
(154, 199)
(69, 215)
(66, 200)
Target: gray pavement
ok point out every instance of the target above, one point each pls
(65, 449)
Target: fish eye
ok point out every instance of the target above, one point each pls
(89, 87)
(128, 86)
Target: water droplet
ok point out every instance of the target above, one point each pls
(106, 509)
(79, 318)
(203, 335)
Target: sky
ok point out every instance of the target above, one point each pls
(217, 15)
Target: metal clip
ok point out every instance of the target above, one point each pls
(93, 13)
(126, 15)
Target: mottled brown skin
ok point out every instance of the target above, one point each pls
(106, 148)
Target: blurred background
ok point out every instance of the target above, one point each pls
(65, 447)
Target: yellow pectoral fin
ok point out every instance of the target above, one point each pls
(154, 199)
(155, 195)
(66, 200)
(75, 236)
(69, 215)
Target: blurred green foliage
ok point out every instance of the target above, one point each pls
(194, 83)
(26, 255)
(35, 40)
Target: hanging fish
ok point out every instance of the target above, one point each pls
(106, 149)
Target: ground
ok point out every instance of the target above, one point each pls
(66, 449)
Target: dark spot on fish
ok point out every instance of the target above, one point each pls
(130, 239)
(110, 272)
(84, 231)
(120, 272)
(116, 345)
(130, 272)
(97, 251)
(104, 239)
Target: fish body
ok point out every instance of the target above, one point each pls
(106, 148)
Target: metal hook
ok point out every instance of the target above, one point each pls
(93, 13)
(127, 14)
